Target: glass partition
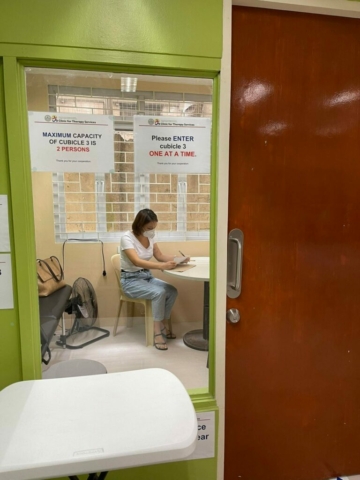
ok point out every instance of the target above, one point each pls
(104, 146)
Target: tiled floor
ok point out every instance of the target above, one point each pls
(127, 351)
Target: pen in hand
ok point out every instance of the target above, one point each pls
(186, 259)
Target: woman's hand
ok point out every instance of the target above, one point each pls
(168, 265)
(186, 260)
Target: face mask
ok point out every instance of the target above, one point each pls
(149, 233)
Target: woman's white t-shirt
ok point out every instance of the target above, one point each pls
(128, 240)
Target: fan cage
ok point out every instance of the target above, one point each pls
(86, 307)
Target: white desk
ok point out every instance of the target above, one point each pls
(197, 339)
(69, 426)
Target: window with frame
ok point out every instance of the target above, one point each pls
(103, 206)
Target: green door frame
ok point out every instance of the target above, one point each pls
(21, 185)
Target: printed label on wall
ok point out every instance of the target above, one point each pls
(205, 447)
(4, 224)
(172, 144)
(6, 286)
(71, 142)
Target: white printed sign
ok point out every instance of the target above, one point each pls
(172, 144)
(4, 224)
(6, 286)
(205, 447)
(71, 142)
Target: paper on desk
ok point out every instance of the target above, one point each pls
(182, 268)
(178, 260)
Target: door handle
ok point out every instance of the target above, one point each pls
(234, 263)
(233, 315)
(236, 286)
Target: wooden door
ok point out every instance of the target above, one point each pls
(293, 360)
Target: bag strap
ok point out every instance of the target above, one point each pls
(59, 265)
(52, 273)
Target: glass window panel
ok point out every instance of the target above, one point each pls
(98, 208)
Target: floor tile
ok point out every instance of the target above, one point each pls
(127, 351)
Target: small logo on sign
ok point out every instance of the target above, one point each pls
(48, 118)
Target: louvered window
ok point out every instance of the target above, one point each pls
(102, 206)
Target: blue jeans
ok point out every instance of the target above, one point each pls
(144, 285)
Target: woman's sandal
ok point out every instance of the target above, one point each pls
(168, 334)
(156, 344)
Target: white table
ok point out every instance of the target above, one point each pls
(69, 426)
(197, 339)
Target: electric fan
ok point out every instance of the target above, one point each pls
(83, 305)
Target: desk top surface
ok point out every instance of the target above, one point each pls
(199, 273)
(67, 426)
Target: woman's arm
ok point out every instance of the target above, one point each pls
(159, 265)
(161, 257)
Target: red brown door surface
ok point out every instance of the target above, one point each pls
(293, 360)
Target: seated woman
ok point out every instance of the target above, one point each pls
(137, 247)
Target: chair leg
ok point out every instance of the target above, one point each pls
(130, 318)
(149, 325)
(117, 319)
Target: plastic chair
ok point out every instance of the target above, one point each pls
(149, 321)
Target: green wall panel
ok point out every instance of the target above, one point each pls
(23, 251)
(10, 355)
(204, 469)
(167, 26)
(158, 36)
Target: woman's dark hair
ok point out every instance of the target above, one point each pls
(142, 218)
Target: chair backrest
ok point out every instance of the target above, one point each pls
(115, 262)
